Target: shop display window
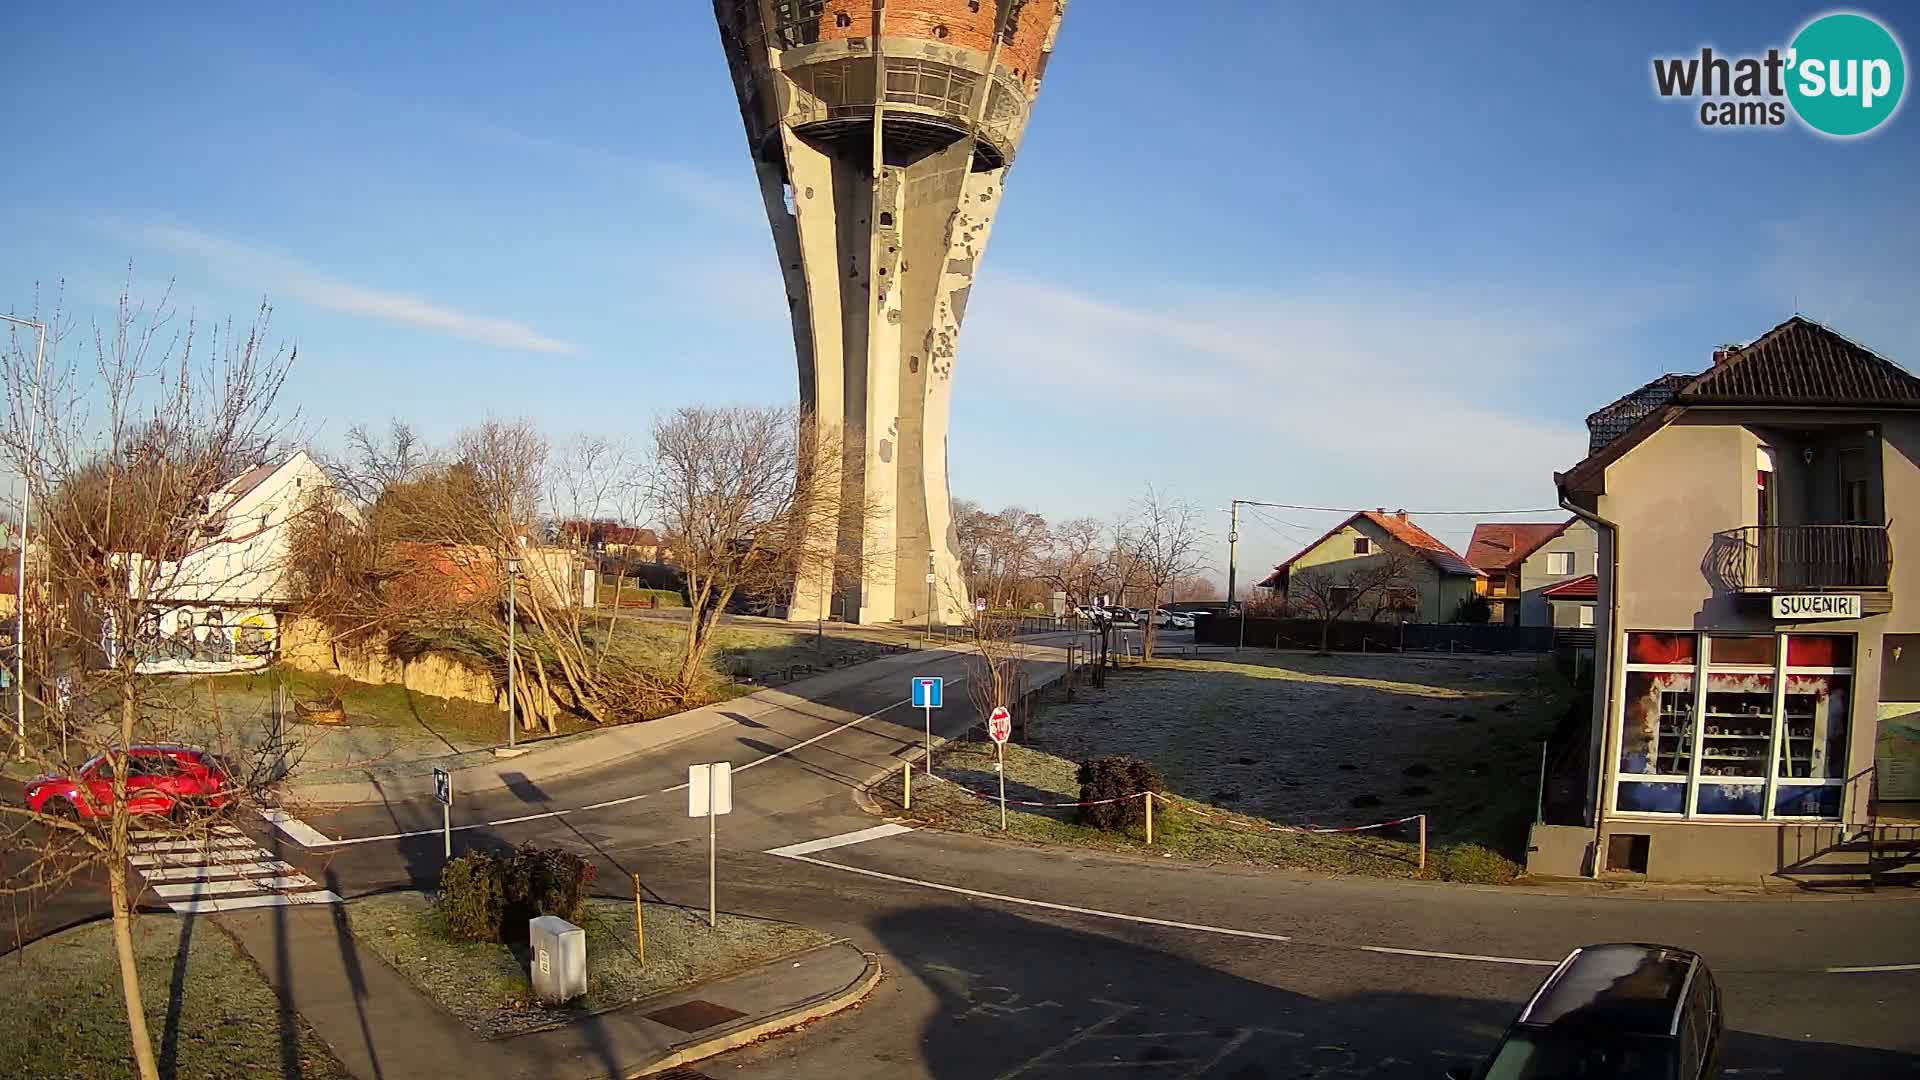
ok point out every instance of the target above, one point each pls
(1756, 727)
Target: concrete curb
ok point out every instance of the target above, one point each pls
(750, 1030)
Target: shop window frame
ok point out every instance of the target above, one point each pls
(1701, 668)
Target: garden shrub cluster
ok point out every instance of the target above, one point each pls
(1115, 778)
(485, 897)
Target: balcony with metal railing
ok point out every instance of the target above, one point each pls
(1808, 558)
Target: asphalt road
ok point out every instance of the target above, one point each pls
(1011, 961)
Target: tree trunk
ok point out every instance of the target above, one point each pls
(1326, 634)
(117, 886)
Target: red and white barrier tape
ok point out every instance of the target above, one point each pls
(1314, 829)
(1187, 807)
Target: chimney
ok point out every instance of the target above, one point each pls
(1379, 509)
(1724, 353)
(1401, 513)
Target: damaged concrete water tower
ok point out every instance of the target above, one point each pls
(882, 131)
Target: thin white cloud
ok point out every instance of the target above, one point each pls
(282, 275)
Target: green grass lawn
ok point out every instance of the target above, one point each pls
(486, 984)
(1180, 832)
(65, 1018)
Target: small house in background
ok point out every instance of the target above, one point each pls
(221, 602)
(1437, 579)
(1521, 560)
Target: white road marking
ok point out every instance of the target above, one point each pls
(298, 831)
(196, 889)
(1871, 968)
(1067, 1044)
(224, 870)
(309, 837)
(825, 843)
(239, 903)
(149, 847)
(1528, 962)
(1048, 905)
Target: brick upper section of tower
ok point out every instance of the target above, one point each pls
(965, 24)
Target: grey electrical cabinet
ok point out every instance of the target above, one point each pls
(559, 959)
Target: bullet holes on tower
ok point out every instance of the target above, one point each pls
(940, 32)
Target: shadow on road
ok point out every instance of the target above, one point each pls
(1021, 998)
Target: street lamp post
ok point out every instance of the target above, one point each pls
(26, 503)
(513, 617)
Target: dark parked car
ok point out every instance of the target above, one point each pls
(161, 779)
(1614, 1012)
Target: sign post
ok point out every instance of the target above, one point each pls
(710, 794)
(999, 727)
(443, 792)
(926, 696)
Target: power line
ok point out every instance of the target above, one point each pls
(1423, 513)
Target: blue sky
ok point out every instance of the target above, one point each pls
(1379, 259)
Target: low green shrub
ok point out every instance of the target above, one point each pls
(546, 881)
(1473, 864)
(473, 896)
(1116, 778)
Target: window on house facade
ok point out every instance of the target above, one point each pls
(1853, 485)
(1560, 563)
(1586, 614)
(1339, 598)
(1362, 546)
(1754, 726)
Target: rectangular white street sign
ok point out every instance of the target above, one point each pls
(710, 781)
(1816, 606)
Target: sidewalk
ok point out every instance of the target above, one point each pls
(379, 1026)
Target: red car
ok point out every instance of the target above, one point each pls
(161, 779)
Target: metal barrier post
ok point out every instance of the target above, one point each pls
(1423, 842)
(906, 785)
(1149, 796)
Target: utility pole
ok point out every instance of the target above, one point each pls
(513, 616)
(1233, 551)
(930, 586)
(26, 506)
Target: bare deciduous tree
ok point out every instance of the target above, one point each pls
(751, 500)
(1329, 591)
(131, 445)
(1168, 544)
(376, 461)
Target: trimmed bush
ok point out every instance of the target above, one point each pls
(546, 881)
(473, 897)
(1116, 778)
(1473, 864)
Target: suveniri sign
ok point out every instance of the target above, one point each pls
(1816, 606)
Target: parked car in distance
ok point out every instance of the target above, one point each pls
(1181, 621)
(161, 779)
(1614, 1012)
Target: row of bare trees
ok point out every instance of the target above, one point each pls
(1149, 555)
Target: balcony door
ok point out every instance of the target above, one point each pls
(1767, 515)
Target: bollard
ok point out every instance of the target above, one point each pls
(1423, 842)
(1149, 818)
(906, 785)
(639, 924)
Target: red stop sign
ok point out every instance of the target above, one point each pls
(1000, 724)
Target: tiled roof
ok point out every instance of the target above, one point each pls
(1423, 543)
(1497, 545)
(247, 481)
(1801, 362)
(1607, 424)
(1586, 587)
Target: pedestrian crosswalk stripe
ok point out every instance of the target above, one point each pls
(239, 903)
(198, 857)
(194, 890)
(224, 870)
(151, 848)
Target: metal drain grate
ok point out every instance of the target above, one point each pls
(679, 1074)
(695, 1015)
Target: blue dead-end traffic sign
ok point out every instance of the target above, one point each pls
(926, 691)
